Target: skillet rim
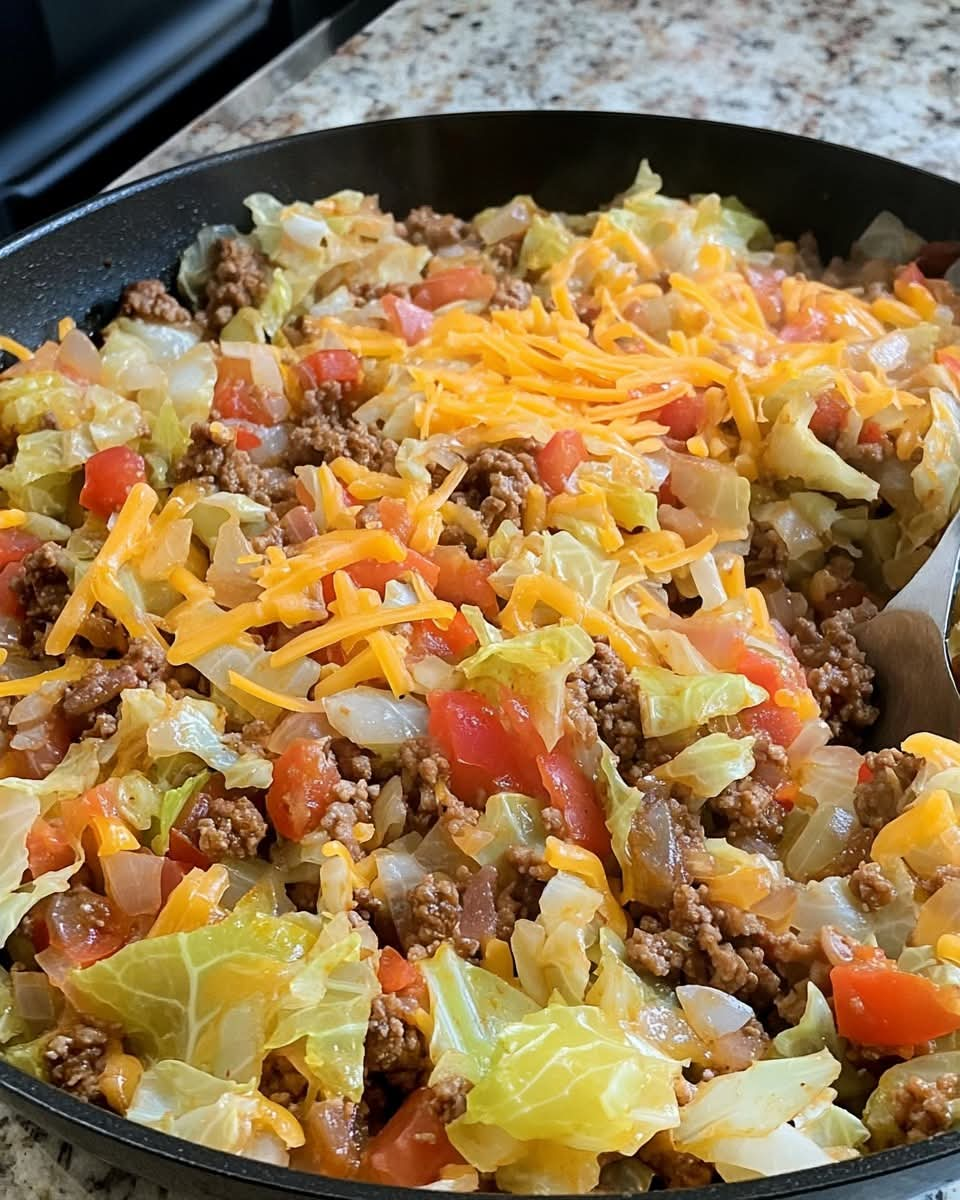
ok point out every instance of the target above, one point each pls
(44, 1098)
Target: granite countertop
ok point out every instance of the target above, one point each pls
(880, 76)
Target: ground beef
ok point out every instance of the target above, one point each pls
(837, 671)
(870, 886)
(511, 293)
(425, 227)
(435, 913)
(673, 1167)
(883, 795)
(519, 900)
(746, 810)
(341, 818)
(603, 701)
(395, 1048)
(767, 557)
(42, 589)
(497, 481)
(239, 278)
(921, 1107)
(719, 946)
(213, 458)
(331, 398)
(228, 826)
(149, 300)
(282, 1083)
(448, 1097)
(322, 439)
(422, 771)
(75, 1056)
(144, 662)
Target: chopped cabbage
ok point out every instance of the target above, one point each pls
(710, 764)
(670, 703)
(508, 819)
(547, 1070)
(559, 555)
(536, 666)
(545, 243)
(936, 478)
(171, 805)
(219, 1113)
(328, 1004)
(375, 718)
(752, 1103)
(551, 952)
(205, 997)
(793, 452)
(470, 1007)
(11, 1026)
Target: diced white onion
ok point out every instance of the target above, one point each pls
(712, 1013)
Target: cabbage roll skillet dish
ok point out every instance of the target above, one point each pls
(432, 741)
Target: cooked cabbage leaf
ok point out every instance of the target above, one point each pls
(536, 666)
(546, 1071)
(710, 764)
(794, 452)
(219, 1113)
(670, 703)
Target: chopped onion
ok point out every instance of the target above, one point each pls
(133, 881)
(38, 705)
(55, 965)
(298, 725)
(708, 581)
(479, 919)
(712, 1013)
(274, 440)
(298, 525)
(497, 224)
(398, 873)
(822, 839)
(230, 577)
(33, 997)
(431, 674)
(376, 719)
(78, 357)
(828, 902)
(810, 739)
(389, 813)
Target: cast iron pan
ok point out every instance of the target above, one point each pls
(77, 264)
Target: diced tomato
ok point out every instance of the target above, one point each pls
(864, 775)
(412, 1148)
(780, 724)
(372, 574)
(830, 415)
(559, 458)
(429, 638)
(108, 477)
(48, 847)
(325, 366)
(15, 545)
(406, 320)
(772, 673)
(246, 438)
(84, 926)
(767, 284)
(786, 795)
(182, 850)
(461, 283)
(683, 416)
(483, 756)
(10, 605)
(395, 517)
(810, 326)
(569, 789)
(395, 973)
(879, 1005)
(911, 273)
(463, 580)
(666, 495)
(303, 785)
(870, 434)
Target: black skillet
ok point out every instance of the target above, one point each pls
(77, 264)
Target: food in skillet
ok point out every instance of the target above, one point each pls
(431, 716)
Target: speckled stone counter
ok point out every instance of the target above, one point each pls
(880, 76)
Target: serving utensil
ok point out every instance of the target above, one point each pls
(906, 644)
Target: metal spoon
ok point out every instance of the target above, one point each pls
(906, 645)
